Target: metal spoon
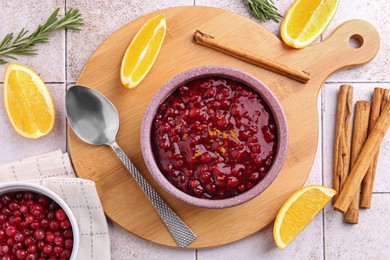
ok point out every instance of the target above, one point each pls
(95, 120)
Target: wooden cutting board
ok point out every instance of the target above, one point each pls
(124, 202)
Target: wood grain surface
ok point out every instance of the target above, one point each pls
(124, 202)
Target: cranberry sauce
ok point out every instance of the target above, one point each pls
(214, 138)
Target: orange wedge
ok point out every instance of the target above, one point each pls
(27, 102)
(142, 52)
(306, 20)
(298, 211)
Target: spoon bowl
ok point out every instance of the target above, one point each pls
(93, 117)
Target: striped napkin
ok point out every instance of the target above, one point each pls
(54, 171)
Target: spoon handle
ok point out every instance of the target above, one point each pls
(182, 234)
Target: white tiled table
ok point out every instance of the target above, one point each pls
(326, 237)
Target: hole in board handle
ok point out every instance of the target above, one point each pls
(356, 41)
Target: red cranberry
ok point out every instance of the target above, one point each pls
(3, 218)
(29, 219)
(68, 243)
(65, 253)
(23, 209)
(58, 240)
(28, 241)
(2, 234)
(35, 225)
(10, 231)
(40, 244)
(47, 249)
(32, 256)
(57, 249)
(39, 234)
(19, 237)
(13, 205)
(54, 225)
(4, 249)
(53, 205)
(32, 248)
(43, 200)
(60, 214)
(68, 233)
(21, 254)
(5, 199)
(36, 210)
(28, 195)
(50, 237)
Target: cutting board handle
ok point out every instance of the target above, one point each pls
(338, 51)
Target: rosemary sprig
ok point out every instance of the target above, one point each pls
(264, 10)
(24, 44)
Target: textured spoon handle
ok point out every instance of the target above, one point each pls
(182, 234)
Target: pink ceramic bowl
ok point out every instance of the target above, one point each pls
(229, 73)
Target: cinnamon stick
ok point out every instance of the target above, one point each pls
(342, 138)
(367, 154)
(226, 47)
(368, 181)
(360, 128)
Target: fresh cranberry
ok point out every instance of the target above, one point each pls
(43, 200)
(47, 249)
(65, 224)
(21, 254)
(65, 253)
(32, 248)
(4, 250)
(29, 219)
(23, 209)
(53, 205)
(40, 244)
(28, 195)
(32, 256)
(19, 237)
(36, 210)
(58, 240)
(39, 234)
(2, 234)
(68, 243)
(3, 218)
(28, 241)
(68, 233)
(13, 205)
(60, 214)
(10, 241)
(50, 237)
(54, 225)
(57, 250)
(5, 199)
(35, 225)
(10, 231)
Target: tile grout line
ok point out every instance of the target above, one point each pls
(66, 79)
(322, 166)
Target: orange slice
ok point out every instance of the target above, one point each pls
(306, 20)
(298, 211)
(27, 102)
(142, 52)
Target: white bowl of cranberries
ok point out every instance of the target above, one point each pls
(35, 223)
(214, 137)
